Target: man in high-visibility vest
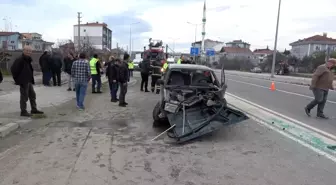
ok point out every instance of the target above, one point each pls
(130, 68)
(180, 60)
(95, 74)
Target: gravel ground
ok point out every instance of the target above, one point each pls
(107, 144)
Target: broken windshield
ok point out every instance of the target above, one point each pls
(191, 77)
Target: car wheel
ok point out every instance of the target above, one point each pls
(156, 112)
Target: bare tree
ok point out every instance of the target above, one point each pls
(87, 47)
(65, 46)
(4, 59)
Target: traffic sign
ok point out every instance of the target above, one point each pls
(194, 51)
(210, 52)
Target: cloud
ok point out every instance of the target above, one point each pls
(251, 21)
(121, 25)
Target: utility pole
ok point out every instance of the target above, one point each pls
(167, 52)
(79, 21)
(275, 41)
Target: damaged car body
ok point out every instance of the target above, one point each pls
(192, 102)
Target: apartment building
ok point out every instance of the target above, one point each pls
(94, 34)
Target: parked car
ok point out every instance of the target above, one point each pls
(256, 70)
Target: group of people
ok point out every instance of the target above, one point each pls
(117, 73)
(80, 71)
(51, 66)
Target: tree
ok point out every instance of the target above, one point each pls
(235, 64)
(286, 52)
(88, 48)
(266, 65)
(4, 59)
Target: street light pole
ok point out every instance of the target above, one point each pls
(130, 39)
(275, 41)
(195, 30)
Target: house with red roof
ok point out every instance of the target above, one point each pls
(308, 46)
(261, 54)
(237, 49)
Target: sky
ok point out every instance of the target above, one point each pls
(252, 21)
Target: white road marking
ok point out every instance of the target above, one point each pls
(250, 109)
(292, 93)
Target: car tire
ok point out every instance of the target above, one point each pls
(157, 121)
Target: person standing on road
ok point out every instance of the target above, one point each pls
(68, 61)
(44, 62)
(23, 75)
(123, 77)
(112, 74)
(81, 74)
(322, 81)
(56, 68)
(130, 68)
(95, 74)
(144, 70)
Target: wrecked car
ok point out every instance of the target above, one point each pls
(192, 102)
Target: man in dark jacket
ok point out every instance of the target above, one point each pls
(22, 71)
(56, 68)
(44, 62)
(123, 76)
(68, 61)
(145, 69)
(112, 76)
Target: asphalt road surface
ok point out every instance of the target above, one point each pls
(288, 99)
(107, 144)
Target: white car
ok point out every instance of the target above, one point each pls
(256, 70)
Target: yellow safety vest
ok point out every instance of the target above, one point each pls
(179, 61)
(131, 65)
(164, 68)
(93, 67)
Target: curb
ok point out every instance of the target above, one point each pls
(12, 126)
(317, 140)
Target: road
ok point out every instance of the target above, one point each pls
(107, 144)
(288, 99)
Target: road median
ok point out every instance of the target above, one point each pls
(317, 140)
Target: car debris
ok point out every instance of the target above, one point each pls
(193, 103)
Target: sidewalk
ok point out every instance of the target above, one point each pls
(46, 97)
(8, 83)
(277, 78)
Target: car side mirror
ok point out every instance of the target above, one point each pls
(160, 82)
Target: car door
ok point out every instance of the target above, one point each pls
(223, 80)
